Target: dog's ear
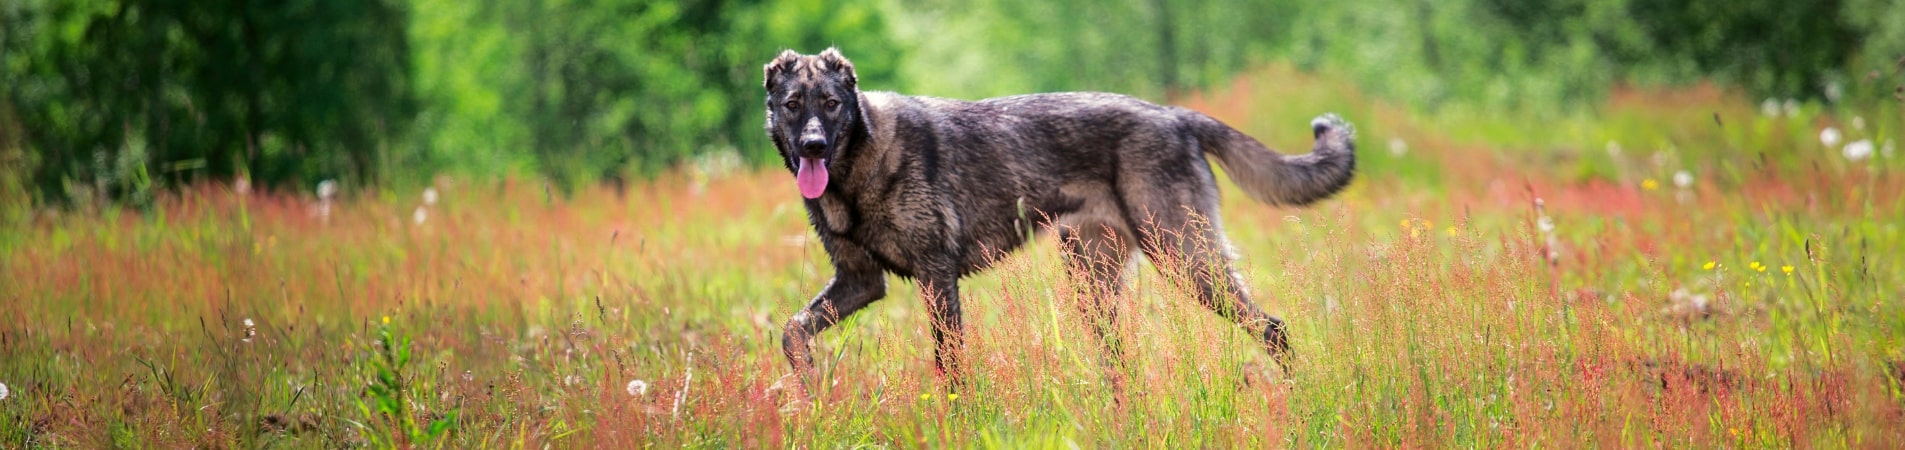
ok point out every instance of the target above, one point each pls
(839, 63)
(781, 64)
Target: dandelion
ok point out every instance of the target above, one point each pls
(1830, 137)
(1769, 108)
(429, 196)
(4, 392)
(1833, 91)
(327, 189)
(1545, 223)
(1398, 147)
(1788, 269)
(251, 330)
(1710, 265)
(1683, 179)
(386, 320)
(1792, 108)
(1858, 122)
(1649, 184)
(419, 215)
(637, 388)
(1858, 150)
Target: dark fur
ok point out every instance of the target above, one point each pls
(934, 189)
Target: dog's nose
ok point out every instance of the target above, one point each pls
(813, 146)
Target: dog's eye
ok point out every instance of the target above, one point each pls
(831, 103)
(793, 104)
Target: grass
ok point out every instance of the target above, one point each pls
(1499, 283)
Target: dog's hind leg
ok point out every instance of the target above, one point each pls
(1095, 256)
(1189, 248)
(857, 282)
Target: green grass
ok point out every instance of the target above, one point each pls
(1428, 306)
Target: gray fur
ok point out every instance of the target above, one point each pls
(934, 189)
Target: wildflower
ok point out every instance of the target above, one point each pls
(924, 397)
(327, 189)
(386, 320)
(950, 397)
(1755, 265)
(1649, 184)
(1545, 223)
(1398, 147)
(419, 215)
(1453, 231)
(1788, 269)
(1710, 265)
(1830, 137)
(1769, 108)
(1683, 179)
(1858, 150)
(251, 330)
(1834, 91)
(1858, 122)
(1792, 108)
(637, 388)
(3, 391)
(429, 196)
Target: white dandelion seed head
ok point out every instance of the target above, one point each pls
(430, 196)
(249, 323)
(1545, 223)
(4, 392)
(327, 189)
(637, 388)
(1834, 91)
(1858, 150)
(1683, 179)
(1830, 137)
(1792, 108)
(420, 215)
(1769, 108)
(1858, 122)
(1398, 147)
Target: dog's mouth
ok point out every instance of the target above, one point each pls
(811, 175)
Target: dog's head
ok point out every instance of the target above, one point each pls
(813, 114)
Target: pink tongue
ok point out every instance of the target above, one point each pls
(812, 177)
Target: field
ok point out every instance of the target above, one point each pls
(1675, 268)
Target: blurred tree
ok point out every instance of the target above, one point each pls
(121, 94)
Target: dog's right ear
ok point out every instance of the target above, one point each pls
(780, 64)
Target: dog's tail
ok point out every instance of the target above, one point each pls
(1278, 179)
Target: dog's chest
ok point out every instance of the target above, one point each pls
(897, 243)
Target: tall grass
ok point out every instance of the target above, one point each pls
(1493, 284)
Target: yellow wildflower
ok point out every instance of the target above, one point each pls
(952, 396)
(925, 397)
(386, 320)
(1710, 265)
(1649, 184)
(1786, 268)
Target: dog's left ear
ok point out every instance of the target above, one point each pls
(780, 64)
(839, 63)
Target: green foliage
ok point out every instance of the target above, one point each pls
(393, 423)
(117, 95)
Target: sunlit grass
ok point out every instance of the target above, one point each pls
(1491, 283)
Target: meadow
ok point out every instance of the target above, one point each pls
(1678, 267)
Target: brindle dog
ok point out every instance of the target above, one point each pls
(934, 189)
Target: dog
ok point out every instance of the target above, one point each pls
(933, 190)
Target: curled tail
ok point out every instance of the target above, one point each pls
(1278, 179)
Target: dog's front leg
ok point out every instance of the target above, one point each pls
(941, 293)
(856, 284)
